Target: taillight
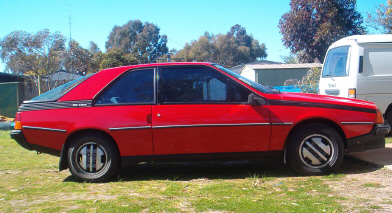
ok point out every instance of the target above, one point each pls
(352, 93)
(379, 118)
(18, 124)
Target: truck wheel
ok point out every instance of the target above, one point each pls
(389, 121)
(93, 158)
(315, 149)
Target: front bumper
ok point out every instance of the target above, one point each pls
(374, 140)
(18, 136)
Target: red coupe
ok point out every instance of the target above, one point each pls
(191, 111)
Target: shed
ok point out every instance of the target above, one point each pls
(276, 74)
(12, 93)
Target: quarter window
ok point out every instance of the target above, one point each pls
(136, 87)
(199, 85)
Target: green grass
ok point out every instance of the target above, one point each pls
(31, 182)
(373, 185)
(388, 140)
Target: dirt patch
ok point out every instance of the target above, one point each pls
(364, 187)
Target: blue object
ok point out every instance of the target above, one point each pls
(288, 88)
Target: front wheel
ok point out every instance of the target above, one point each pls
(315, 149)
(389, 121)
(92, 158)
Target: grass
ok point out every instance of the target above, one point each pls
(31, 182)
(373, 185)
(388, 140)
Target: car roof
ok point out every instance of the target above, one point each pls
(159, 64)
(361, 39)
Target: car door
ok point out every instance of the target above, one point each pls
(201, 110)
(124, 109)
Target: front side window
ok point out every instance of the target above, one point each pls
(135, 87)
(336, 63)
(199, 85)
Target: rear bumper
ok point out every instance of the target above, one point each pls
(18, 136)
(374, 140)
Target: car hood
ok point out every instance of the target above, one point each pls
(326, 99)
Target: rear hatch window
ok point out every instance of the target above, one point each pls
(58, 92)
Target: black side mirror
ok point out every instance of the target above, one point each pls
(255, 100)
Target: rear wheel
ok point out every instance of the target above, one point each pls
(93, 158)
(315, 149)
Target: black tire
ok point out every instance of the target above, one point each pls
(93, 158)
(315, 149)
(389, 121)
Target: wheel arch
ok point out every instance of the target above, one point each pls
(328, 122)
(63, 163)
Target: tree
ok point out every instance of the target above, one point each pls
(312, 25)
(35, 54)
(382, 19)
(114, 58)
(309, 83)
(143, 41)
(77, 59)
(231, 49)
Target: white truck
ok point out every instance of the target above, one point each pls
(360, 67)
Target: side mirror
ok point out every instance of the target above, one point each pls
(255, 100)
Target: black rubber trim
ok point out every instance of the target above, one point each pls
(46, 150)
(63, 164)
(270, 155)
(319, 105)
(18, 136)
(373, 140)
(31, 106)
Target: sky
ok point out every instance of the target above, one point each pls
(181, 20)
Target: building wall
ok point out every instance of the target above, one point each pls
(277, 77)
(249, 73)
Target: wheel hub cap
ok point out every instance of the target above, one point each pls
(316, 151)
(91, 157)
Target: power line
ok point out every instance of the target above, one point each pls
(182, 46)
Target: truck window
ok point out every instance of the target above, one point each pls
(336, 63)
(377, 61)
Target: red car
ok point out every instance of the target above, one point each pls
(191, 111)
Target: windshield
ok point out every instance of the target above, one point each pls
(336, 63)
(58, 92)
(251, 83)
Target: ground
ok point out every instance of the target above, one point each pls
(32, 183)
(365, 187)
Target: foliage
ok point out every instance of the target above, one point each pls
(309, 83)
(312, 25)
(35, 54)
(382, 19)
(113, 58)
(293, 58)
(231, 49)
(77, 58)
(143, 41)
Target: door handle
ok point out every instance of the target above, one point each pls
(159, 115)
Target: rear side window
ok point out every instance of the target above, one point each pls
(135, 87)
(199, 85)
(336, 63)
(377, 61)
